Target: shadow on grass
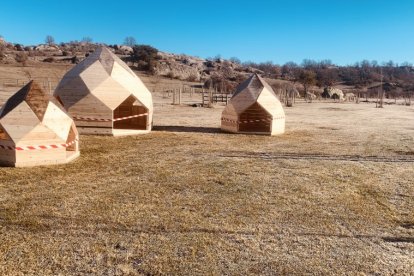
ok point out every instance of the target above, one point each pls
(187, 129)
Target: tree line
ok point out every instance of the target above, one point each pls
(326, 74)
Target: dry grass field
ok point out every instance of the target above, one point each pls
(334, 195)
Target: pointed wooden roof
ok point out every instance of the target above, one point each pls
(105, 57)
(31, 115)
(101, 79)
(34, 96)
(254, 89)
(254, 86)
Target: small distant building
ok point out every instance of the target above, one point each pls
(254, 109)
(104, 96)
(36, 130)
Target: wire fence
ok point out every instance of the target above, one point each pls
(10, 84)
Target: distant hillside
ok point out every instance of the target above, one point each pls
(223, 74)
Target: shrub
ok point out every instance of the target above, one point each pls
(19, 47)
(235, 60)
(2, 50)
(145, 56)
(49, 59)
(21, 58)
(192, 78)
(170, 75)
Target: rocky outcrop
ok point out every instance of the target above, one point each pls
(179, 66)
(177, 70)
(195, 68)
(182, 67)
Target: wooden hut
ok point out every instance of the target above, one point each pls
(104, 96)
(36, 130)
(254, 109)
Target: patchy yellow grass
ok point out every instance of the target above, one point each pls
(173, 203)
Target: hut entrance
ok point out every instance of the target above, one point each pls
(73, 147)
(131, 107)
(59, 100)
(255, 119)
(3, 134)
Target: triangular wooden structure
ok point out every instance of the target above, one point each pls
(36, 130)
(254, 109)
(105, 96)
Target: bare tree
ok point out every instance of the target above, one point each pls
(290, 71)
(130, 41)
(307, 78)
(87, 40)
(326, 77)
(50, 40)
(217, 58)
(291, 93)
(235, 60)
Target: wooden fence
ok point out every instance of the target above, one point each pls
(211, 97)
(202, 96)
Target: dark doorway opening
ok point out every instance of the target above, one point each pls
(255, 119)
(131, 107)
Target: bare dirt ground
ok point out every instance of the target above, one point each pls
(334, 195)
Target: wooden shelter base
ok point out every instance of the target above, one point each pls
(111, 131)
(277, 130)
(249, 133)
(70, 156)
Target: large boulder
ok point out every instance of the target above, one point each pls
(333, 93)
(336, 94)
(126, 50)
(47, 48)
(195, 68)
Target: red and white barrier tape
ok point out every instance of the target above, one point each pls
(251, 121)
(129, 117)
(247, 121)
(40, 147)
(108, 120)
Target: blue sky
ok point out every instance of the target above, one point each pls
(344, 31)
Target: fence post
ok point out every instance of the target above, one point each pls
(49, 86)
